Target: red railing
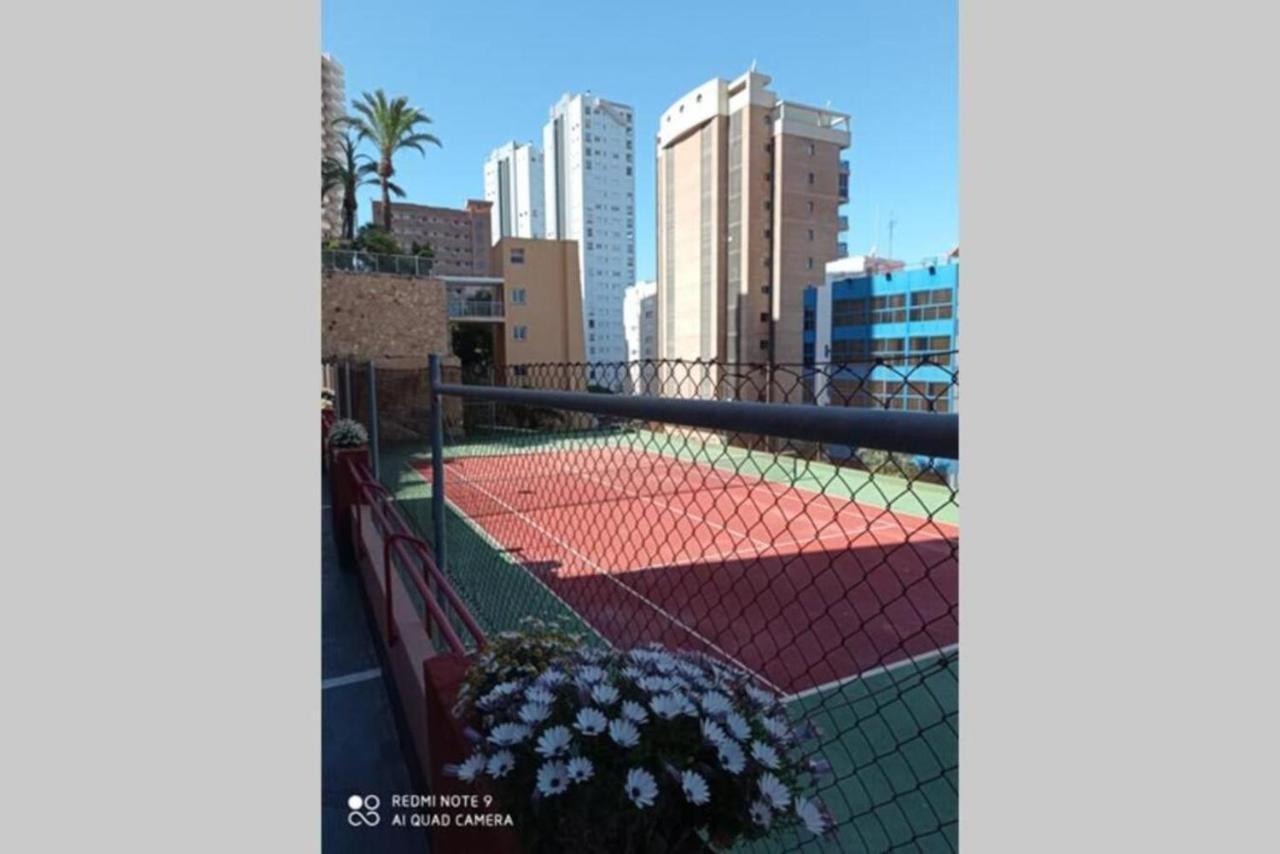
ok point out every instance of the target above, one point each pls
(398, 542)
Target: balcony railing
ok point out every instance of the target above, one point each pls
(476, 308)
(351, 261)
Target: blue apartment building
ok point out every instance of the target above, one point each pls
(884, 338)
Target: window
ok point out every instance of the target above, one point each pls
(809, 264)
(849, 312)
(810, 207)
(811, 235)
(517, 296)
(520, 333)
(810, 179)
(812, 149)
(517, 256)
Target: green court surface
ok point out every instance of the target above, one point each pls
(890, 736)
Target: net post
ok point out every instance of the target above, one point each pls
(373, 420)
(437, 461)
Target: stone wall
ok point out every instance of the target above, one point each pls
(389, 319)
(395, 322)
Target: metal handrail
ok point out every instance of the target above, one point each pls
(924, 433)
(391, 524)
(359, 261)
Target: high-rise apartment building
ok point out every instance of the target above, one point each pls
(589, 165)
(513, 183)
(640, 323)
(333, 95)
(459, 238)
(749, 191)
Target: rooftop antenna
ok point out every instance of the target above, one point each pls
(892, 223)
(753, 65)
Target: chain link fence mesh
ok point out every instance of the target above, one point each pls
(829, 573)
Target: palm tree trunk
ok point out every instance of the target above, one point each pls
(386, 206)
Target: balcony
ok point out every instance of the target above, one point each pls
(842, 223)
(469, 309)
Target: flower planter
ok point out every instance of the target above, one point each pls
(343, 498)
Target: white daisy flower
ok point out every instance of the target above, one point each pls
(666, 706)
(764, 754)
(554, 741)
(552, 677)
(664, 662)
(641, 788)
(534, 713)
(815, 821)
(633, 711)
(538, 694)
(590, 674)
(500, 764)
(499, 693)
(695, 788)
(761, 698)
(604, 694)
(592, 653)
(738, 726)
(590, 722)
(712, 731)
(774, 791)
(469, 769)
(761, 814)
(580, 769)
(776, 728)
(731, 756)
(635, 674)
(624, 733)
(506, 735)
(686, 705)
(715, 703)
(655, 684)
(553, 778)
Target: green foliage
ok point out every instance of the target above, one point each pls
(391, 124)
(375, 239)
(893, 464)
(347, 433)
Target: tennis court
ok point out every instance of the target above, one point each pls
(803, 590)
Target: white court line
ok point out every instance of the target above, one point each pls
(683, 511)
(505, 552)
(350, 679)
(875, 671)
(774, 546)
(609, 574)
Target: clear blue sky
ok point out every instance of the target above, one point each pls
(487, 73)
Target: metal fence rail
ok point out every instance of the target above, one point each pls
(812, 541)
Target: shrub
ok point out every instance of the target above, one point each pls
(346, 433)
(651, 749)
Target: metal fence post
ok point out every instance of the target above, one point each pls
(347, 402)
(437, 461)
(373, 420)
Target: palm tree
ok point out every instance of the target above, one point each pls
(349, 172)
(391, 125)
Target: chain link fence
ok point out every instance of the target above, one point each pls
(827, 572)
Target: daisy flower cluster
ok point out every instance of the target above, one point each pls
(646, 740)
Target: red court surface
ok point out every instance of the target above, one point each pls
(800, 588)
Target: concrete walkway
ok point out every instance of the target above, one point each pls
(363, 752)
